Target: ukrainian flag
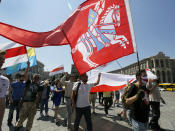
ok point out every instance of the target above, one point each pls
(32, 59)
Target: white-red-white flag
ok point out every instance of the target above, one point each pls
(57, 70)
(15, 53)
(110, 81)
(113, 82)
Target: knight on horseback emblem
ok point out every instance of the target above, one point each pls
(102, 35)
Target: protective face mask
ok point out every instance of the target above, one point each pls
(144, 80)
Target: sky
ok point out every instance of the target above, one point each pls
(154, 27)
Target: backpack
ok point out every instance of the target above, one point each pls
(125, 96)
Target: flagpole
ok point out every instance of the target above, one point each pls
(138, 61)
(132, 30)
(120, 66)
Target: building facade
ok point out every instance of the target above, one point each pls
(163, 66)
(74, 71)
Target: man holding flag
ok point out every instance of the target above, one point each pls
(31, 97)
(82, 104)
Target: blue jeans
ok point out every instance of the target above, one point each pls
(86, 111)
(139, 126)
(44, 102)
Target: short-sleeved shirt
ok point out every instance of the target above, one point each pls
(31, 91)
(17, 90)
(44, 93)
(107, 94)
(140, 111)
(83, 94)
(58, 95)
(68, 87)
(155, 94)
(4, 84)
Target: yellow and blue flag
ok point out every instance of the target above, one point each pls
(32, 59)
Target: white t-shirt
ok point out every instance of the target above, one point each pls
(155, 95)
(83, 94)
(4, 84)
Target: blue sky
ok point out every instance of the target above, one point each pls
(153, 25)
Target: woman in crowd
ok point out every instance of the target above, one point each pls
(57, 97)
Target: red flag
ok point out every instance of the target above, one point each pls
(99, 31)
(33, 39)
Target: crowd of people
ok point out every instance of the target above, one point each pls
(25, 96)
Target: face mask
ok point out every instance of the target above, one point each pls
(144, 80)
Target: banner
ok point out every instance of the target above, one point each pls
(110, 81)
(113, 82)
(57, 70)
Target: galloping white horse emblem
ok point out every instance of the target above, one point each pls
(100, 35)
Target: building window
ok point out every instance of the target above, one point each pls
(161, 63)
(169, 76)
(167, 63)
(163, 77)
(173, 76)
(152, 64)
(171, 64)
(157, 63)
(158, 74)
(144, 66)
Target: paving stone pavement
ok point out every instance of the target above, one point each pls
(101, 122)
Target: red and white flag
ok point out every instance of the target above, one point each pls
(113, 82)
(110, 81)
(106, 35)
(57, 70)
(99, 31)
(150, 74)
(15, 53)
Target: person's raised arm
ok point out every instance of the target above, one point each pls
(98, 80)
(26, 71)
(140, 95)
(63, 79)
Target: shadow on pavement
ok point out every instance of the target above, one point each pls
(47, 118)
(99, 123)
(12, 128)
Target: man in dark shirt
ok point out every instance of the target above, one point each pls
(31, 97)
(139, 98)
(15, 95)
